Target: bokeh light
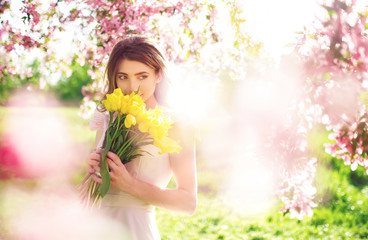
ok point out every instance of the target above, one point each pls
(275, 23)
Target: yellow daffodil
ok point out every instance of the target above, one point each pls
(129, 121)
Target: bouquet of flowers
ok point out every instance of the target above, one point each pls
(131, 126)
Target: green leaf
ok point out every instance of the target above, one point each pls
(126, 145)
(104, 168)
(120, 140)
(104, 171)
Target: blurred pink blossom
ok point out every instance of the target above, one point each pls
(55, 214)
(297, 191)
(39, 136)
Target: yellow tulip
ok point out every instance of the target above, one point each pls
(143, 127)
(157, 132)
(124, 100)
(112, 102)
(107, 105)
(136, 98)
(134, 108)
(167, 145)
(135, 104)
(142, 116)
(129, 121)
(118, 92)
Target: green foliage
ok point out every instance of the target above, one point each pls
(69, 89)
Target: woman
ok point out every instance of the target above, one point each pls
(135, 63)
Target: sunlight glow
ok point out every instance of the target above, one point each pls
(275, 22)
(192, 94)
(251, 186)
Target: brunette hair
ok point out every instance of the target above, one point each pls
(135, 48)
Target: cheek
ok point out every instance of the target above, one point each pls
(117, 83)
(148, 89)
(122, 86)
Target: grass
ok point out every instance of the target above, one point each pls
(344, 219)
(342, 197)
(213, 220)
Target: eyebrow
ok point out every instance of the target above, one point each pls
(134, 74)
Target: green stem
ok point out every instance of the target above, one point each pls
(126, 135)
(127, 144)
(116, 130)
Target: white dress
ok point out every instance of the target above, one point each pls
(135, 215)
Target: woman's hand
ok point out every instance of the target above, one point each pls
(119, 175)
(93, 161)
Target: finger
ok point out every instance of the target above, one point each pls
(96, 179)
(95, 156)
(90, 170)
(115, 158)
(112, 164)
(96, 168)
(92, 163)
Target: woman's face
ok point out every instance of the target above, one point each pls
(131, 75)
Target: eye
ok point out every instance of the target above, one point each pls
(122, 77)
(142, 77)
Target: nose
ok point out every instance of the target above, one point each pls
(133, 86)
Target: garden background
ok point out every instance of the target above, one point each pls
(276, 91)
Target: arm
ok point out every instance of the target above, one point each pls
(99, 134)
(182, 199)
